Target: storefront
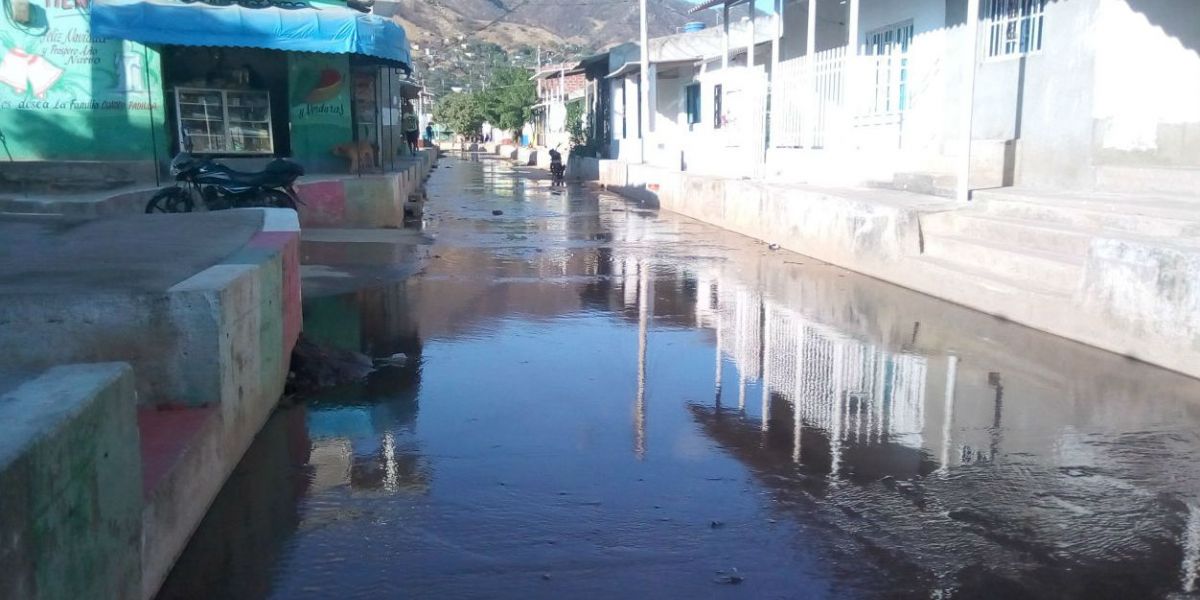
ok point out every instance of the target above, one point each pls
(139, 80)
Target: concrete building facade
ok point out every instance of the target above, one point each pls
(1063, 94)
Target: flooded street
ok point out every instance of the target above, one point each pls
(602, 401)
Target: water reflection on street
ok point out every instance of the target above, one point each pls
(602, 401)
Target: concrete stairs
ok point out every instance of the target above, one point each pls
(1021, 243)
(930, 184)
(1140, 180)
(1159, 215)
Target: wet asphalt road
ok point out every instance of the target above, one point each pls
(606, 402)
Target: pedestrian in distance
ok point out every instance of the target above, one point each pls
(411, 126)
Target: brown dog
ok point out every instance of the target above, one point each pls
(358, 153)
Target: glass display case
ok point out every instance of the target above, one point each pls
(212, 121)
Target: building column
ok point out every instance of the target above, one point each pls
(968, 113)
(777, 32)
(725, 36)
(644, 87)
(750, 38)
(810, 78)
(852, 27)
(651, 101)
(850, 83)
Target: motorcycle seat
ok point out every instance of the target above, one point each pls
(277, 173)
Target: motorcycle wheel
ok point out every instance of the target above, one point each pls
(278, 199)
(170, 200)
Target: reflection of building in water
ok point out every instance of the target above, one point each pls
(856, 391)
(388, 462)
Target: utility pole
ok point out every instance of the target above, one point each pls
(644, 87)
(968, 112)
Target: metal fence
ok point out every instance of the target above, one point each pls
(817, 101)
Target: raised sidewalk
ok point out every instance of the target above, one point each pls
(195, 316)
(1120, 271)
(327, 200)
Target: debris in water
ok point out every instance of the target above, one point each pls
(398, 359)
(314, 366)
(497, 212)
(715, 524)
(545, 577)
(730, 578)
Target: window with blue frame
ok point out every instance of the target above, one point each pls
(692, 103)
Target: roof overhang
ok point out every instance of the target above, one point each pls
(625, 69)
(298, 27)
(715, 3)
(634, 67)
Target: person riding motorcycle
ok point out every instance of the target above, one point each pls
(557, 169)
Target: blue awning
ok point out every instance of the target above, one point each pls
(313, 28)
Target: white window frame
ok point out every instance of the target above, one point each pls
(897, 36)
(891, 43)
(1014, 28)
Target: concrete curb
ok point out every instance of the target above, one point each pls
(364, 202)
(70, 485)
(245, 314)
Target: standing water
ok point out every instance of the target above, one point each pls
(602, 401)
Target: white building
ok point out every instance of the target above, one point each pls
(1048, 94)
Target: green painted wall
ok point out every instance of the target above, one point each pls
(319, 97)
(65, 95)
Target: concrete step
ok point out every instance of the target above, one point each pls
(1025, 267)
(974, 280)
(88, 206)
(1168, 180)
(1019, 233)
(930, 184)
(1160, 215)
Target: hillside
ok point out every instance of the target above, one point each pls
(456, 41)
(591, 24)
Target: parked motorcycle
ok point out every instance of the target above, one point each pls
(218, 187)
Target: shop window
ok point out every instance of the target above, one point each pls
(692, 102)
(1014, 27)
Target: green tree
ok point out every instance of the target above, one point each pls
(509, 98)
(579, 126)
(462, 113)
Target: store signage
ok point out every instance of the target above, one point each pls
(75, 94)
